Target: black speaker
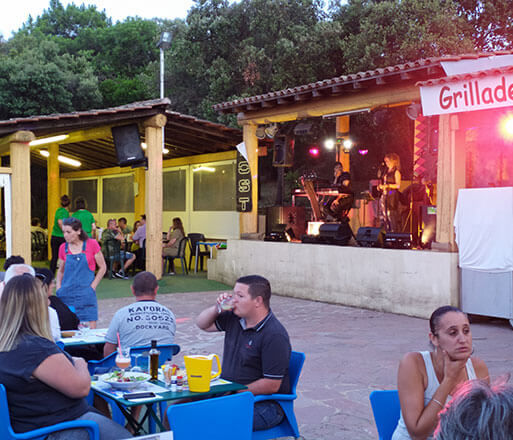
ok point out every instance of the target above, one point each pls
(370, 237)
(128, 145)
(397, 240)
(336, 233)
(283, 151)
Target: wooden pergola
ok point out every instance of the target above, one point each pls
(363, 91)
(89, 140)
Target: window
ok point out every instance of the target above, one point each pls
(88, 190)
(214, 187)
(174, 190)
(118, 194)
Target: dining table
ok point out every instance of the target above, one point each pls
(162, 394)
(76, 338)
(209, 245)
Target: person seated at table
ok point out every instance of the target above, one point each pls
(20, 269)
(427, 380)
(170, 247)
(13, 259)
(44, 385)
(125, 229)
(113, 232)
(256, 345)
(36, 226)
(143, 321)
(478, 411)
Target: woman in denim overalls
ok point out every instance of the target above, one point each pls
(76, 282)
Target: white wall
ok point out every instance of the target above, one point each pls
(409, 282)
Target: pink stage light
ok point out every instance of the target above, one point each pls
(363, 152)
(506, 127)
(314, 151)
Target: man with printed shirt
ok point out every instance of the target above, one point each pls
(143, 321)
(256, 345)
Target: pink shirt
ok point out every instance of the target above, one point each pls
(92, 248)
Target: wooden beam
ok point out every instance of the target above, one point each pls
(248, 221)
(53, 185)
(384, 95)
(20, 165)
(154, 194)
(17, 137)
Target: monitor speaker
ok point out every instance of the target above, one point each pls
(397, 240)
(336, 233)
(128, 145)
(283, 151)
(370, 237)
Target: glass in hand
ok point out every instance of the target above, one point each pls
(226, 304)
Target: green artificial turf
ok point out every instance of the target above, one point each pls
(117, 288)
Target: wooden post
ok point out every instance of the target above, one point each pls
(343, 134)
(53, 184)
(450, 178)
(140, 192)
(248, 221)
(153, 132)
(20, 165)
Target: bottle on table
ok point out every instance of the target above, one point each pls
(154, 360)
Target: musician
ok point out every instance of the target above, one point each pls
(389, 175)
(339, 205)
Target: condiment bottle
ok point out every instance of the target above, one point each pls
(179, 383)
(173, 383)
(154, 360)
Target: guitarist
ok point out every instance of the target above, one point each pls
(390, 182)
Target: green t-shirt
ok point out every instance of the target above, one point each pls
(87, 220)
(60, 214)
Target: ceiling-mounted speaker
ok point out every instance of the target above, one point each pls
(128, 145)
(414, 110)
(304, 128)
(271, 130)
(260, 132)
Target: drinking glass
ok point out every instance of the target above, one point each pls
(123, 359)
(136, 367)
(83, 328)
(226, 304)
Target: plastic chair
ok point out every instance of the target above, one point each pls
(113, 254)
(193, 241)
(181, 255)
(288, 427)
(219, 418)
(387, 410)
(39, 246)
(6, 432)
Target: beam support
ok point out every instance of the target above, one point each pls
(54, 186)
(154, 197)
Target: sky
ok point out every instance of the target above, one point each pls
(17, 12)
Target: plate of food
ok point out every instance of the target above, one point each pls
(68, 333)
(125, 380)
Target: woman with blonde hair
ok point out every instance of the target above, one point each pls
(44, 385)
(390, 182)
(174, 235)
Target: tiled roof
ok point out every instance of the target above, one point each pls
(422, 69)
(467, 76)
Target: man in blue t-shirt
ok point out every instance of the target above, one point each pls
(256, 345)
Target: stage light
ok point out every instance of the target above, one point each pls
(314, 151)
(363, 152)
(347, 144)
(329, 144)
(506, 127)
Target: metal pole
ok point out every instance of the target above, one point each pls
(162, 91)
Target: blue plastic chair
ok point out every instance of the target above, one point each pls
(288, 427)
(6, 432)
(387, 410)
(220, 418)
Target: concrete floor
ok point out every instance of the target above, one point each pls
(349, 353)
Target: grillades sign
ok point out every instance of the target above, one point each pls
(467, 95)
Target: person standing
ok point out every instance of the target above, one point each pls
(76, 280)
(85, 217)
(390, 182)
(57, 235)
(256, 345)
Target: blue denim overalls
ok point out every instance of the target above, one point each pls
(76, 287)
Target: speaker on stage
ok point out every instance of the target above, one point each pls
(370, 237)
(336, 233)
(397, 240)
(128, 145)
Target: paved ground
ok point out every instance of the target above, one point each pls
(349, 352)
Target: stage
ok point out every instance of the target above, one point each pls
(410, 282)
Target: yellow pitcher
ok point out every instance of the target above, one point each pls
(199, 372)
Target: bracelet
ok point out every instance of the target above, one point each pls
(437, 401)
